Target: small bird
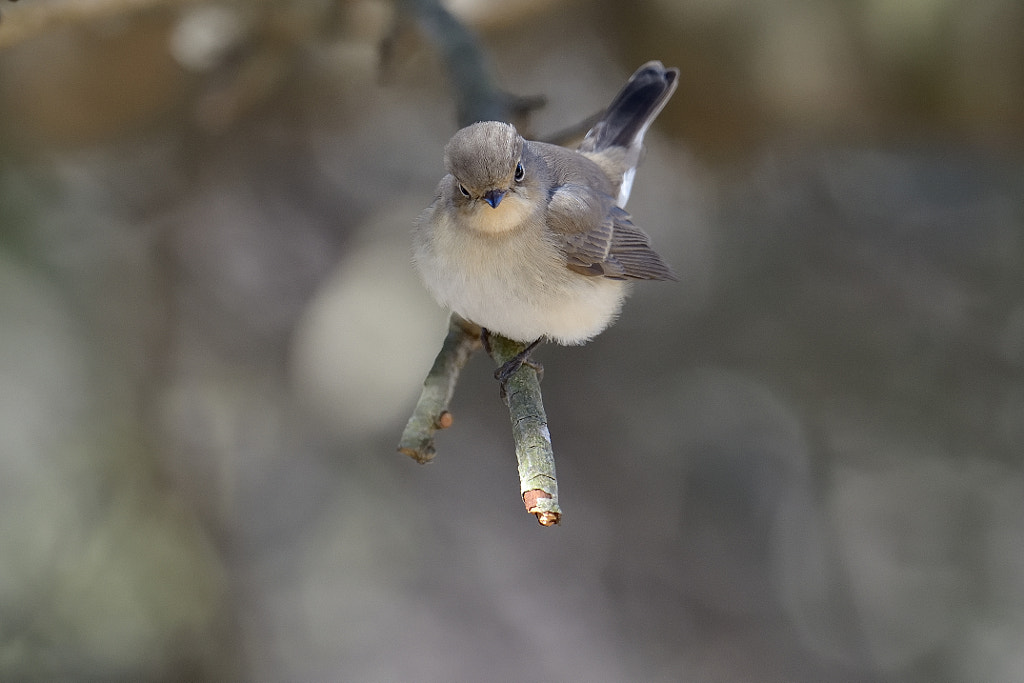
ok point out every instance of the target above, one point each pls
(531, 240)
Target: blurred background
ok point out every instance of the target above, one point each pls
(800, 463)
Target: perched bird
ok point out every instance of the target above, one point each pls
(531, 240)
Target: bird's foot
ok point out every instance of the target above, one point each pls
(510, 367)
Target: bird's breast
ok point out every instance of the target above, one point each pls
(515, 282)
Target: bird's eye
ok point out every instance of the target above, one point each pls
(463, 190)
(519, 172)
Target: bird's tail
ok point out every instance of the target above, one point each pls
(626, 120)
(631, 113)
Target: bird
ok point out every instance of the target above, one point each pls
(531, 240)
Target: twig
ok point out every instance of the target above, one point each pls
(431, 412)
(534, 453)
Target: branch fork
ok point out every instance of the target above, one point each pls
(534, 453)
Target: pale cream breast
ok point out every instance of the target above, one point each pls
(513, 281)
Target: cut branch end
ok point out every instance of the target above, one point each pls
(541, 504)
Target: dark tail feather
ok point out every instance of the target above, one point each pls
(631, 113)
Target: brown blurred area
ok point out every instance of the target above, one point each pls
(801, 463)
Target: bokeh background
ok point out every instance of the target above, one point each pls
(800, 463)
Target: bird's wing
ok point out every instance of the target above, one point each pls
(600, 239)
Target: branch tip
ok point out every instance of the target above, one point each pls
(543, 506)
(422, 455)
(548, 518)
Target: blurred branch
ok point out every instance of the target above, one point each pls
(571, 136)
(431, 412)
(31, 19)
(477, 98)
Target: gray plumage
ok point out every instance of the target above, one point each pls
(522, 234)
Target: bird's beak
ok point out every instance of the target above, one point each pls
(494, 197)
